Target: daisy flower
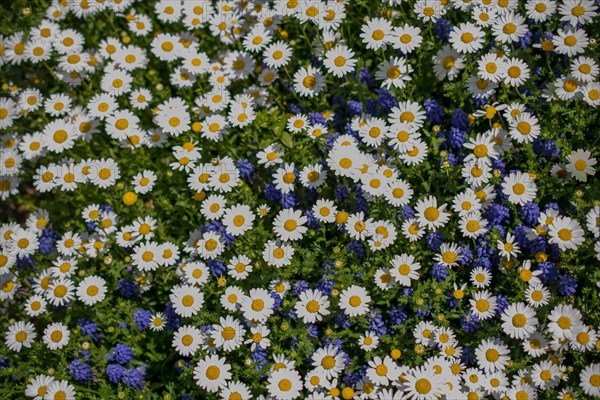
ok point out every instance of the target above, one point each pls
(577, 12)
(584, 339)
(566, 233)
(38, 386)
(60, 390)
(492, 355)
(490, 67)
(467, 38)
(404, 269)
(483, 304)
(591, 94)
(354, 301)
(540, 10)
(516, 72)
(519, 321)
(329, 361)
(285, 178)
(313, 176)
(429, 10)
(406, 38)
(239, 267)
(259, 337)
(277, 54)
(238, 219)
(20, 334)
(212, 373)
(56, 336)
(258, 305)
(381, 371)
(537, 295)
(545, 375)
(60, 292)
(339, 60)
(430, 214)
(377, 33)
(368, 341)
(289, 224)
(309, 81)
(196, 273)
(394, 72)
(481, 277)
(297, 123)
(186, 340)
(564, 319)
(448, 63)
(157, 322)
(91, 290)
(570, 42)
(284, 384)
(581, 164)
(278, 254)
(519, 187)
(312, 306)
(421, 383)
(187, 300)
(228, 334)
(508, 248)
(324, 210)
(584, 69)
(35, 305)
(509, 28)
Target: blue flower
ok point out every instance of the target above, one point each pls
(546, 148)
(142, 319)
(299, 287)
(313, 331)
(89, 328)
(365, 77)
(127, 288)
(114, 372)
(434, 111)
(439, 272)
(47, 241)
(371, 107)
(497, 215)
(376, 323)
(460, 120)
(357, 248)
(354, 107)
(272, 193)
(434, 240)
(470, 323)
(121, 354)
(454, 139)
(259, 356)
(566, 285)
(81, 371)
(245, 168)
(217, 268)
(133, 378)
(442, 29)
(173, 320)
(397, 315)
(316, 118)
(529, 213)
(502, 304)
(387, 101)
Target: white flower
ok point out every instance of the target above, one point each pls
(354, 301)
(312, 306)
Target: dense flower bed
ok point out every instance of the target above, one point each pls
(300, 199)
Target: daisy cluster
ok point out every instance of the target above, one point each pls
(310, 199)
